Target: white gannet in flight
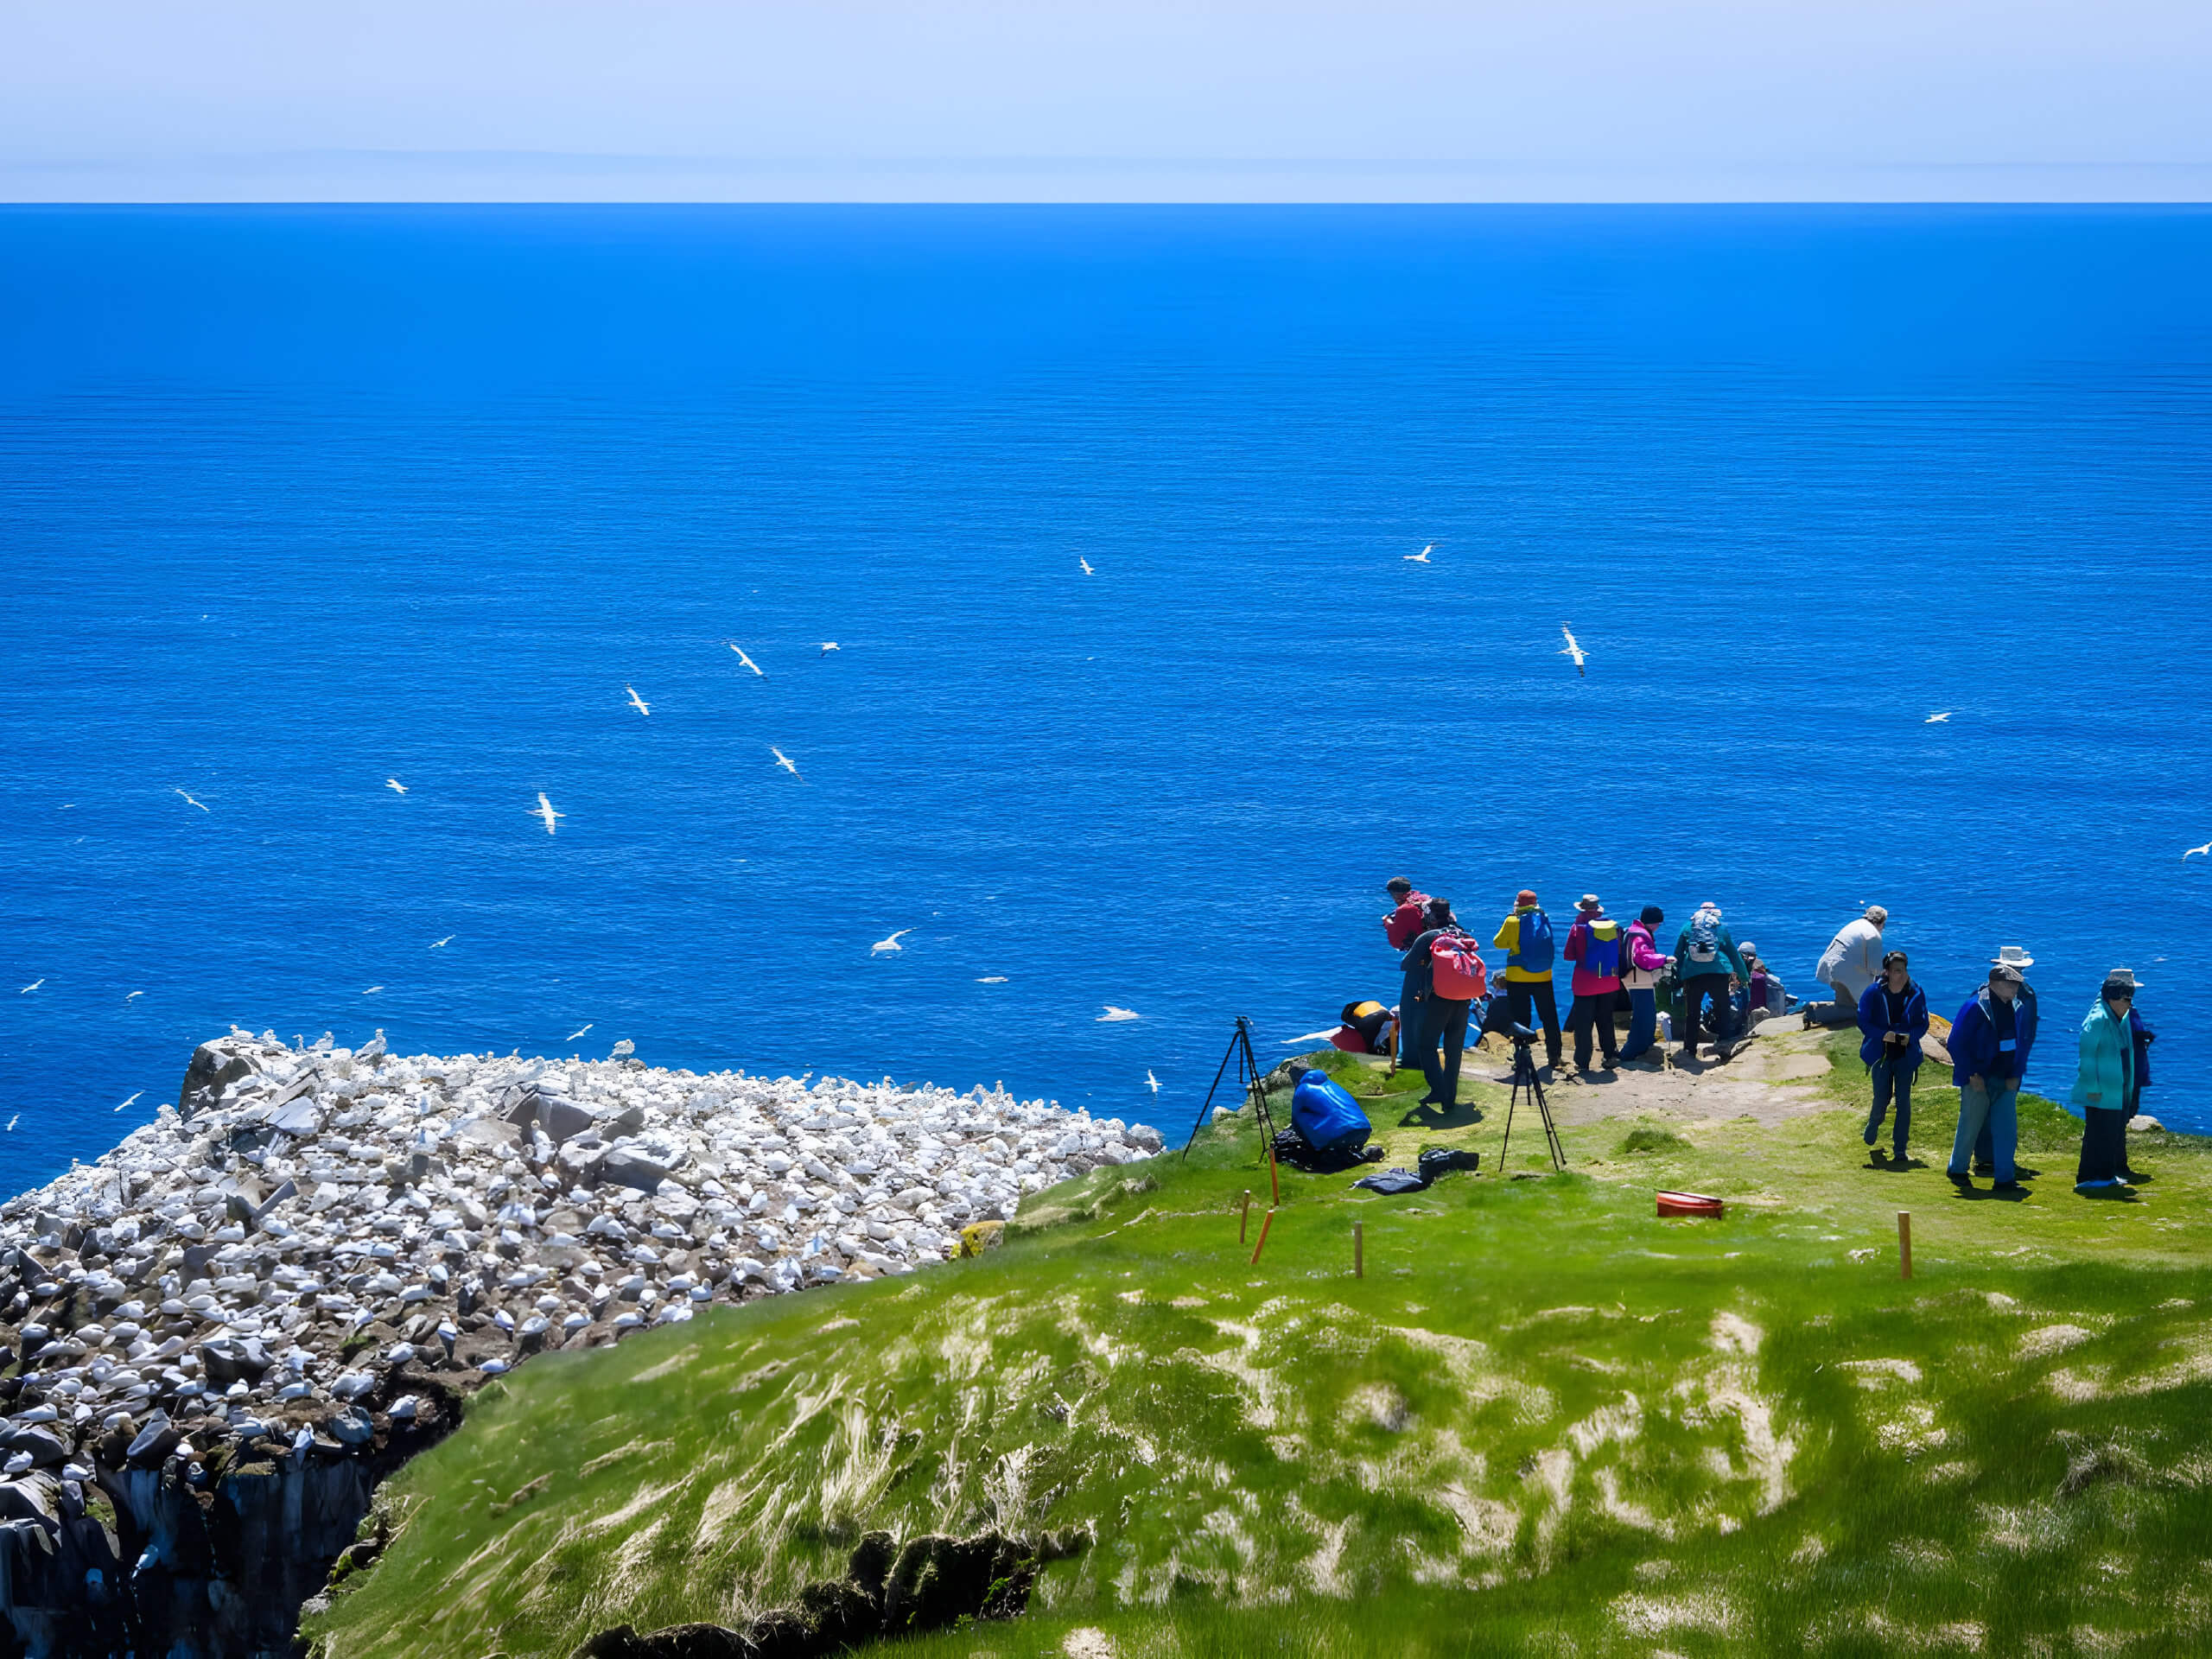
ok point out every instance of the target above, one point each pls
(394, 785)
(128, 1102)
(33, 986)
(1573, 649)
(637, 701)
(1936, 720)
(742, 657)
(1114, 1015)
(829, 646)
(573, 1035)
(200, 805)
(1310, 1037)
(884, 947)
(13, 1122)
(372, 990)
(2206, 849)
(785, 761)
(440, 944)
(544, 809)
(1421, 557)
(1085, 564)
(992, 979)
(1153, 1081)
(128, 994)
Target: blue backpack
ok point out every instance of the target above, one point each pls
(1535, 950)
(1325, 1114)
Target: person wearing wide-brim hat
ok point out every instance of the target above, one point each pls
(2103, 1086)
(2016, 957)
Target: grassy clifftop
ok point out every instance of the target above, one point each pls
(1544, 1421)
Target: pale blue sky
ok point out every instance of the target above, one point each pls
(1112, 101)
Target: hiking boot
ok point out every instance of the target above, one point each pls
(1983, 1166)
(1874, 1134)
(1964, 1183)
(2008, 1186)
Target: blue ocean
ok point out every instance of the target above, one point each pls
(298, 504)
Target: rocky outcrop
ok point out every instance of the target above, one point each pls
(930, 1583)
(215, 1340)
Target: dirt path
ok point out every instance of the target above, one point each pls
(1772, 1079)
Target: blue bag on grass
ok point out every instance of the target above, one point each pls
(1322, 1111)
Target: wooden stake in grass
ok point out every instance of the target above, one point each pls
(1360, 1249)
(1905, 1245)
(1274, 1181)
(1244, 1220)
(1266, 1221)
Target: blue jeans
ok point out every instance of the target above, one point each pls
(1642, 1022)
(1988, 1114)
(1891, 1079)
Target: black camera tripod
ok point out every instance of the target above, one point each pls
(1525, 1078)
(1247, 1084)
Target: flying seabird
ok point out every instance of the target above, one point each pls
(13, 1122)
(128, 1102)
(2206, 849)
(394, 784)
(201, 806)
(637, 701)
(128, 994)
(829, 646)
(372, 990)
(883, 947)
(573, 1035)
(785, 761)
(1114, 1015)
(1421, 557)
(1936, 720)
(1574, 650)
(440, 944)
(1153, 1081)
(544, 809)
(33, 986)
(1085, 564)
(992, 979)
(742, 657)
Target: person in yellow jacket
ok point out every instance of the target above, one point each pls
(1526, 938)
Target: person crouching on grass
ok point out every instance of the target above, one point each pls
(1892, 1019)
(1989, 1044)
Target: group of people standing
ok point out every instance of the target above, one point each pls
(1725, 988)
(1608, 958)
(1990, 1042)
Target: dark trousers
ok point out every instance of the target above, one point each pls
(1587, 1014)
(1892, 1081)
(1411, 1002)
(1705, 987)
(2104, 1144)
(1520, 993)
(1444, 1034)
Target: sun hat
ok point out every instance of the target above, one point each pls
(2123, 976)
(1588, 901)
(2014, 956)
(1524, 896)
(2005, 974)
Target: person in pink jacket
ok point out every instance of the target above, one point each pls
(1641, 965)
(1594, 946)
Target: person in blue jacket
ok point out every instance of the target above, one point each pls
(2144, 1037)
(1892, 1019)
(1989, 1043)
(2103, 1084)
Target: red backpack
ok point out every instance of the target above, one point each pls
(1460, 972)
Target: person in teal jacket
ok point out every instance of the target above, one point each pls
(1708, 964)
(2101, 1089)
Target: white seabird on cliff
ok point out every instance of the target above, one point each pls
(544, 809)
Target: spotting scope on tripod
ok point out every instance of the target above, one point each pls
(1525, 1079)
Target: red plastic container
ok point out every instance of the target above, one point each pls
(1690, 1203)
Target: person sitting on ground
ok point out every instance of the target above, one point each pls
(1404, 921)
(1367, 1028)
(1709, 966)
(1892, 1019)
(1989, 1046)
(2104, 1080)
(1526, 937)
(1641, 966)
(1850, 964)
(1443, 1017)
(1594, 945)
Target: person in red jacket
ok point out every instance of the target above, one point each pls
(1403, 924)
(1594, 945)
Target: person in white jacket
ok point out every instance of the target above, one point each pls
(1850, 964)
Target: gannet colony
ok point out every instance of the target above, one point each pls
(314, 1255)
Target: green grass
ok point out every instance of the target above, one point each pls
(1545, 1421)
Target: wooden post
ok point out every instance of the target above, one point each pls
(1905, 1245)
(1244, 1220)
(1274, 1181)
(1360, 1249)
(1266, 1221)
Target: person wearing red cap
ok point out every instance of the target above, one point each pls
(1526, 938)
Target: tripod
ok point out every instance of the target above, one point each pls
(1248, 1083)
(1525, 1078)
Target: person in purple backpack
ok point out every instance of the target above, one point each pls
(1594, 946)
(1442, 1028)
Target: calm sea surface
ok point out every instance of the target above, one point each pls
(294, 501)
